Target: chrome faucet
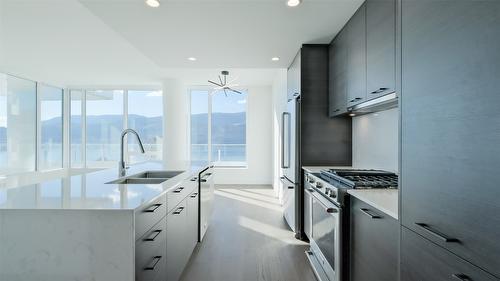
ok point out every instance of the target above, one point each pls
(122, 169)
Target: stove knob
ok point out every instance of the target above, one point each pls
(311, 180)
(319, 185)
(333, 195)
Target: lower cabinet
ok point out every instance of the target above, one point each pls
(182, 235)
(150, 250)
(424, 260)
(193, 221)
(176, 241)
(374, 244)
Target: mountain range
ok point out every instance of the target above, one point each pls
(227, 128)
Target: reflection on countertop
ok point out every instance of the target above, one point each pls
(89, 191)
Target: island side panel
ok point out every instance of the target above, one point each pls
(65, 245)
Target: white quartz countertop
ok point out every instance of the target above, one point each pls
(89, 191)
(385, 200)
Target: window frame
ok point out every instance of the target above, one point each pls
(209, 89)
(38, 149)
(66, 100)
(125, 111)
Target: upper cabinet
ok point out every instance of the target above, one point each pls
(337, 80)
(293, 78)
(380, 47)
(363, 57)
(450, 120)
(356, 57)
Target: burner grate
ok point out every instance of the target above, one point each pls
(363, 178)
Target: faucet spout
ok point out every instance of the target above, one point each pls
(122, 167)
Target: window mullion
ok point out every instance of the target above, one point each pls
(125, 123)
(84, 129)
(210, 95)
(38, 137)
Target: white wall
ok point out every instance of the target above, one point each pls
(176, 124)
(259, 134)
(259, 142)
(375, 140)
(279, 106)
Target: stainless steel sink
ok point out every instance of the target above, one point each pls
(157, 174)
(138, 181)
(148, 177)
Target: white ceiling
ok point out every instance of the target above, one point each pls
(124, 41)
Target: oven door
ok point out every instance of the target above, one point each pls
(326, 235)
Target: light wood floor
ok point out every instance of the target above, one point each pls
(248, 240)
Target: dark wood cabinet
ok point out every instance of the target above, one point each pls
(374, 244)
(356, 58)
(380, 47)
(423, 260)
(450, 152)
(337, 81)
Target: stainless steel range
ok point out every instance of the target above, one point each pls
(326, 216)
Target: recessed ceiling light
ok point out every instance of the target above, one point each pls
(191, 58)
(293, 3)
(275, 59)
(153, 3)
(352, 114)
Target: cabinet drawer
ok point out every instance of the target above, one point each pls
(150, 253)
(149, 215)
(181, 191)
(424, 260)
(177, 252)
(374, 244)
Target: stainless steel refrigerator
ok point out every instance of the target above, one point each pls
(290, 159)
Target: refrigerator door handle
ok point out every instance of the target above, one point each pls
(283, 133)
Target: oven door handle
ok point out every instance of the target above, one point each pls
(330, 208)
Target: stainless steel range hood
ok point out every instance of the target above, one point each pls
(378, 104)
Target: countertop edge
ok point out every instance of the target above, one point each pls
(361, 194)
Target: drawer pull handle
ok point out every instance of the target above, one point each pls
(437, 234)
(154, 263)
(178, 190)
(461, 277)
(153, 235)
(205, 177)
(194, 195)
(380, 90)
(331, 210)
(152, 209)
(178, 211)
(355, 99)
(368, 213)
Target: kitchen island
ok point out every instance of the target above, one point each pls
(85, 228)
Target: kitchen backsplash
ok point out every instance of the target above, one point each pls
(375, 140)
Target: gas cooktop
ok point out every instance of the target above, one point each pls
(360, 179)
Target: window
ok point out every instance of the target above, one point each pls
(51, 127)
(17, 125)
(218, 128)
(98, 118)
(76, 127)
(104, 123)
(145, 115)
